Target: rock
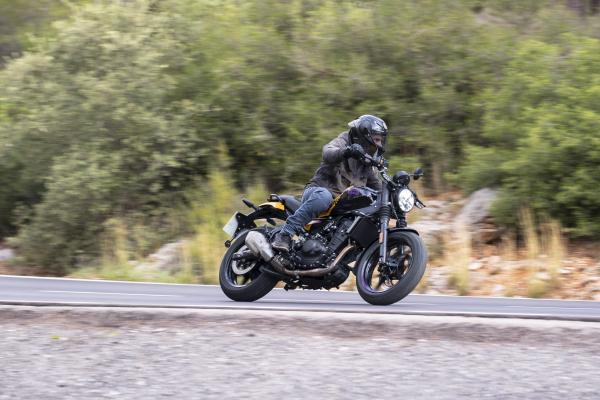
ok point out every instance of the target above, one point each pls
(433, 234)
(477, 207)
(498, 290)
(475, 265)
(477, 279)
(494, 260)
(495, 269)
(168, 258)
(565, 271)
(429, 229)
(437, 278)
(475, 217)
(6, 254)
(435, 204)
(434, 225)
(488, 234)
(585, 282)
(542, 276)
(596, 297)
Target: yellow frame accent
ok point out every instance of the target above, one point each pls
(327, 212)
(276, 204)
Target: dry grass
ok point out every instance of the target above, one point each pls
(458, 257)
(554, 247)
(424, 282)
(532, 243)
(211, 209)
(211, 205)
(116, 262)
(508, 246)
(526, 262)
(545, 250)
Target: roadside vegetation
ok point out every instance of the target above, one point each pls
(534, 264)
(459, 260)
(199, 253)
(126, 125)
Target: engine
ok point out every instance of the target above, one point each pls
(312, 259)
(318, 249)
(310, 253)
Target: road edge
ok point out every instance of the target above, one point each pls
(374, 311)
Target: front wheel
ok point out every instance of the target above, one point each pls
(386, 284)
(242, 280)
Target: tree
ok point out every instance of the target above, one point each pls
(92, 129)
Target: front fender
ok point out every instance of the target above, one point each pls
(374, 236)
(375, 239)
(405, 230)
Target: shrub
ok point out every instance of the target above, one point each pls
(544, 128)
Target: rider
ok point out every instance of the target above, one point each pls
(341, 167)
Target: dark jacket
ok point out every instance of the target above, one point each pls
(337, 173)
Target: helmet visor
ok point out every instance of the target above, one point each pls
(378, 140)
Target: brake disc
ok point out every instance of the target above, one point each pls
(242, 267)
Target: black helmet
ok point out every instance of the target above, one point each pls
(363, 128)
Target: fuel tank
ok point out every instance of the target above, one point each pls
(351, 199)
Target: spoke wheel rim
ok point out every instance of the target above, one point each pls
(245, 279)
(381, 279)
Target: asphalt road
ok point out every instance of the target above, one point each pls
(57, 291)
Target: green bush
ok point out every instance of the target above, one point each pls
(545, 135)
(93, 130)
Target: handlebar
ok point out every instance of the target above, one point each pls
(379, 162)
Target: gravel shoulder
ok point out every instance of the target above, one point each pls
(81, 353)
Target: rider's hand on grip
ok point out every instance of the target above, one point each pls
(355, 151)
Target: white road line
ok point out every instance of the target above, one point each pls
(515, 298)
(55, 278)
(305, 301)
(308, 301)
(119, 294)
(555, 307)
(325, 302)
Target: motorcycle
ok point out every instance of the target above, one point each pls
(388, 262)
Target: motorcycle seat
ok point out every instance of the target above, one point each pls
(290, 202)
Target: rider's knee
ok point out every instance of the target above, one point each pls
(323, 196)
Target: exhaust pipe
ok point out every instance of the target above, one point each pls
(260, 246)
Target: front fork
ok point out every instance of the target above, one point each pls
(384, 219)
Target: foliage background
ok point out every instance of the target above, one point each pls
(121, 109)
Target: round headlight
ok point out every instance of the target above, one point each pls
(406, 200)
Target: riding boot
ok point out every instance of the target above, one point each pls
(282, 241)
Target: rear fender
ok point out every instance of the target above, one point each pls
(273, 209)
(263, 211)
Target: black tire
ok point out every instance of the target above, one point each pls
(259, 284)
(414, 268)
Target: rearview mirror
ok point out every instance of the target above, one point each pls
(418, 173)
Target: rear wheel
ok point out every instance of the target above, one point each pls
(386, 284)
(242, 280)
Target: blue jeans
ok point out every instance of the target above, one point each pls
(315, 200)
